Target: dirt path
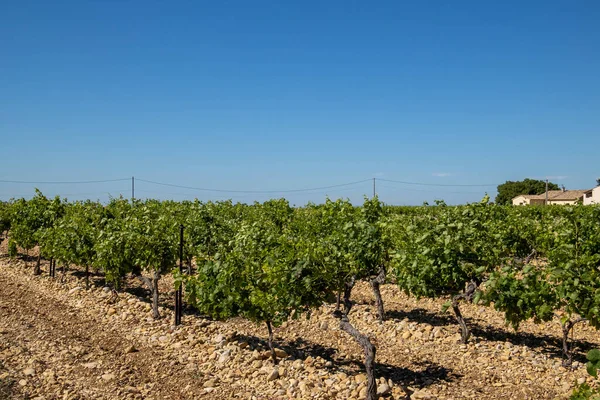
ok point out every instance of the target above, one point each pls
(50, 350)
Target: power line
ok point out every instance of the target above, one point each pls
(435, 184)
(64, 182)
(253, 191)
(425, 190)
(240, 196)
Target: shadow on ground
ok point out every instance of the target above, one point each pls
(424, 374)
(7, 385)
(550, 345)
(421, 315)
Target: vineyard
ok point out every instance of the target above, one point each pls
(279, 267)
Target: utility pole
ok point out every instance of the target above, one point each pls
(546, 202)
(374, 192)
(132, 188)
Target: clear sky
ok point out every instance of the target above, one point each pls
(277, 95)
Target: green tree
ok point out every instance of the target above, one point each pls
(511, 189)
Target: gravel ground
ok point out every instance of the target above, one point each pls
(61, 341)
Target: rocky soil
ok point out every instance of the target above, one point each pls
(61, 341)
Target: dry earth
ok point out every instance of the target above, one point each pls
(61, 341)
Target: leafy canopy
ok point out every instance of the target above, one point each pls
(511, 189)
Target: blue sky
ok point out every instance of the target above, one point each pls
(270, 95)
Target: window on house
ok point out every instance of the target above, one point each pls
(588, 195)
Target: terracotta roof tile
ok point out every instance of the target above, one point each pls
(557, 195)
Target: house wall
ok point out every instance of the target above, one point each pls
(562, 202)
(520, 201)
(594, 199)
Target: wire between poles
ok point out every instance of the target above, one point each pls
(64, 182)
(435, 184)
(253, 191)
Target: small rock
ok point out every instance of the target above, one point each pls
(108, 377)
(324, 325)
(131, 389)
(360, 378)
(383, 389)
(130, 349)
(406, 335)
(111, 311)
(29, 372)
(273, 375)
(219, 338)
(422, 395)
(281, 353)
(580, 381)
(75, 289)
(204, 324)
(224, 357)
(242, 345)
(211, 383)
(22, 382)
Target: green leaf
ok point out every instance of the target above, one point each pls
(592, 369)
(446, 306)
(593, 355)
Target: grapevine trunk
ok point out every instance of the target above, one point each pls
(464, 329)
(37, 270)
(348, 286)
(567, 327)
(369, 350)
(271, 347)
(152, 285)
(375, 284)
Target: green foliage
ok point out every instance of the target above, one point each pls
(267, 274)
(521, 295)
(439, 253)
(270, 262)
(12, 248)
(154, 236)
(573, 260)
(114, 242)
(4, 217)
(593, 357)
(30, 218)
(511, 189)
(71, 239)
(584, 391)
